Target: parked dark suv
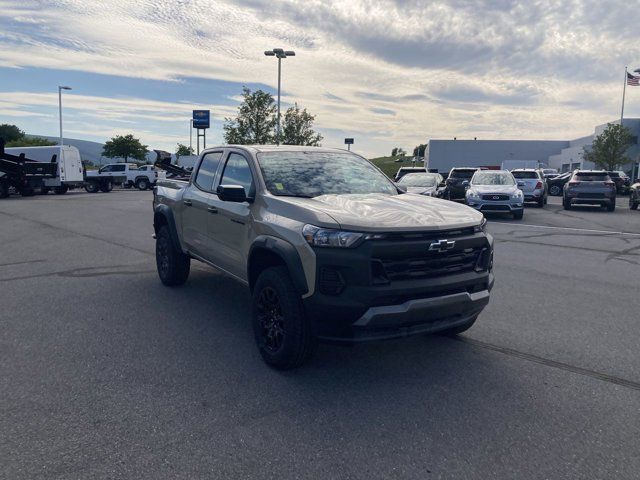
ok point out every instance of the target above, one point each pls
(590, 187)
(555, 185)
(622, 181)
(457, 182)
(634, 196)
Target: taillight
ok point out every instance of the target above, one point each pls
(610, 184)
(538, 185)
(574, 184)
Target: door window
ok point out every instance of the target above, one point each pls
(207, 171)
(238, 172)
(118, 168)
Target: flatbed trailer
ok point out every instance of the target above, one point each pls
(22, 173)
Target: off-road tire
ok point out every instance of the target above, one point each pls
(172, 263)
(460, 328)
(285, 317)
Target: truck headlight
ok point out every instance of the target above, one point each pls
(328, 237)
(482, 227)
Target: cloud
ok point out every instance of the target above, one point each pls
(438, 68)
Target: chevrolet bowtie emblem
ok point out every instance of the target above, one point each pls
(442, 246)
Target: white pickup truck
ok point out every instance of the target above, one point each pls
(125, 174)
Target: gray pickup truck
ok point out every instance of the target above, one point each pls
(330, 248)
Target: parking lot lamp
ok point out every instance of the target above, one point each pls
(60, 88)
(279, 53)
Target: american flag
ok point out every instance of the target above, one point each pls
(633, 80)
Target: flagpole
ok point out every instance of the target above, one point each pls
(624, 90)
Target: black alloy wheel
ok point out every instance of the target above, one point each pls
(271, 319)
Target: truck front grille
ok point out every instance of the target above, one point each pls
(429, 265)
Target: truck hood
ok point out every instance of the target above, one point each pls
(378, 212)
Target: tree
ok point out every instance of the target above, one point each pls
(608, 149)
(10, 133)
(28, 141)
(394, 151)
(255, 122)
(419, 150)
(297, 128)
(125, 147)
(183, 151)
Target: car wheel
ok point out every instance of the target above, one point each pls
(283, 333)
(172, 263)
(460, 328)
(92, 187)
(27, 191)
(4, 189)
(61, 190)
(555, 190)
(633, 203)
(541, 203)
(106, 187)
(566, 204)
(611, 207)
(517, 215)
(142, 184)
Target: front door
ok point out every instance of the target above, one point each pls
(230, 225)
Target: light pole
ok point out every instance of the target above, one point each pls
(280, 54)
(191, 137)
(60, 88)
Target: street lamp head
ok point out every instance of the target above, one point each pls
(270, 53)
(290, 53)
(64, 88)
(278, 51)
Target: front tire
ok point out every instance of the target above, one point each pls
(106, 187)
(4, 189)
(555, 190)
(283, 333)
(172, 263)
(518, 214)
(541, 203)
(92, 187)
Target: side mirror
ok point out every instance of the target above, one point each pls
(232, 193)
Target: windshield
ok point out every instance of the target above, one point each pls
(461, 173)
(418, 180)
(493, 178)
(311, 174)
(525, 175)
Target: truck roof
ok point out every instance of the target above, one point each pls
(278, 148)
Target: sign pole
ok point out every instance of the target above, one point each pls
(624, 90)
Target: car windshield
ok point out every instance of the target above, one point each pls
(614, 174)
(591, 177)
(525, 175)
(461, 173)
(311, 174)
(418, 180)
(493, 178)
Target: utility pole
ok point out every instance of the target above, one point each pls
(279, 53)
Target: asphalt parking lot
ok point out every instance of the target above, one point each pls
(105, 373)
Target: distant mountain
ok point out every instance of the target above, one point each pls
(90, 151)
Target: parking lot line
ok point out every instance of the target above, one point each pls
(586, 230)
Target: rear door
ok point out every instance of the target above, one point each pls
(196, 207)
(230, 225)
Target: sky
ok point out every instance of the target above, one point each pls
(385, 72)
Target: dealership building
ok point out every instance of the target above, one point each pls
(564, 155)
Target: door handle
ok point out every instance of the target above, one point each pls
(212, 210)
(187, 203)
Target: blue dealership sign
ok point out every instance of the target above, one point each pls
(201, 119)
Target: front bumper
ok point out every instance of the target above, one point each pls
(506, 206)
(364, 310)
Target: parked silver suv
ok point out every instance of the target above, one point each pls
(533, 185)
(495, 191)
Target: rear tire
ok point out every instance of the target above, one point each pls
(92, 187)
(633, 204)
(460, 328)
(4, 189)
(611, 207)
(44, 190)
(142, 184)
(566, 204)
(283, 333)
(61, 190)
(555, 190)
(106, 187)
(27, 191)
(172, 263)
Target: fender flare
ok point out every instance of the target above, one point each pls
(287, 253)
(163, 211)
